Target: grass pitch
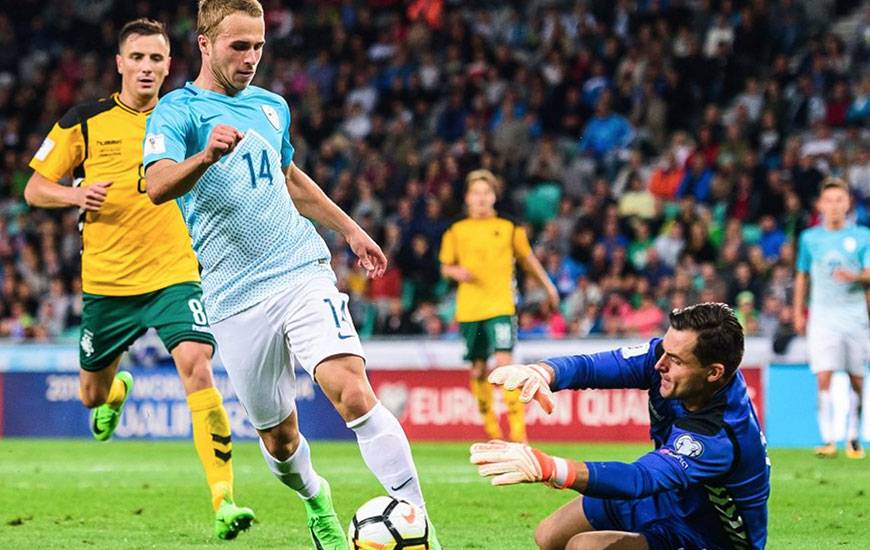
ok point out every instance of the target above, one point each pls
(136, 495)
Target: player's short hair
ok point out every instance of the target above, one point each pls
(831, 182)
(720, 336)
(212, 12)
(483, 175)
(142, 26)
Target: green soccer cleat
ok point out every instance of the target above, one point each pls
(323, 525)
(104, 419)
(230, 520)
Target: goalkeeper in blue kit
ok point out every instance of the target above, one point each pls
(707, 482)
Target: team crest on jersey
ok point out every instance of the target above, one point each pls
(850, 244)
(87, 342)
(272, 115)
(686, 445)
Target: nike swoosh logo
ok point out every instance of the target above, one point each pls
(397, 487)
(345, 336)
(204, 119)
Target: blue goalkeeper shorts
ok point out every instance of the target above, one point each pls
(653, 517)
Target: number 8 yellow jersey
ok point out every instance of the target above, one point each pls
(130, 246)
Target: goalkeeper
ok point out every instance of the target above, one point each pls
(707, 482)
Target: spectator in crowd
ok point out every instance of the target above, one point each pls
(672, 146)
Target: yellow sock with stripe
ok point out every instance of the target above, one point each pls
(516, 413)
(212, 439)
(482, 391)
(116, 394)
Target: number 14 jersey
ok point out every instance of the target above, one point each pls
(249, 237)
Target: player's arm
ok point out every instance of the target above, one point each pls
(62, 150)
(801, 284)
(42, 192)
(627, 367)
(533, 267)
(315, 205)
(686, 459)
(169, 179)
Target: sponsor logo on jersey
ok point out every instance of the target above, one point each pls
(686, 445)
(272, 115)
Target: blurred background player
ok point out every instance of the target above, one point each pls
(835, 257)
(138, 269)
(479, 252)
(222, 148)
(707, 482)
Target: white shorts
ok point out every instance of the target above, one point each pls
(835, 350)
(308, 322)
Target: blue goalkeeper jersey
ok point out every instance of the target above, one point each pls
(250, 239)
(714, 461)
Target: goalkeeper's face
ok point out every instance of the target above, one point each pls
(143, 63)
(234, 53)
(683, 375)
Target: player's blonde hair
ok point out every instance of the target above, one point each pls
(834, 183)
(483, 175)
(212, 12)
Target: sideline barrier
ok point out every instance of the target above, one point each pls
(423, 382)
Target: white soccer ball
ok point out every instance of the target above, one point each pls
(385, 523)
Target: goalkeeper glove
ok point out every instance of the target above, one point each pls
(512, 463)
(534, 381)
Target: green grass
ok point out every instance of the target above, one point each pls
(125, 495)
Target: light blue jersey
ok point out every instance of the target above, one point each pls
(835, 305)
(249, 237)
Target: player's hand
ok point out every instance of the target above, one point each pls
(533, 380)
(462, 275)
(511, 463)
(92, 196)
(553, 298)
(222, 140)
(846, 276)
(800, 323)
(371, 257)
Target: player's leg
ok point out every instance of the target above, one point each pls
(324, 340)
(503, 335)
(177, 313)
(858, 348)
(109, 326)
(255, 355)
(561, 526)
(477, 351)
(611, 540)
(826, 355)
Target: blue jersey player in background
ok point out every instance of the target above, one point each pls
(221, 148)
(707, 482)
(835, 257)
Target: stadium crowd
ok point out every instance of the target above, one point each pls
(658, 152)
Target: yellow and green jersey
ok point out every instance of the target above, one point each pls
(488, 249)
(130, 246)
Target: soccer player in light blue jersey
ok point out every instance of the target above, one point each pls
(221, 148)
(835, 256)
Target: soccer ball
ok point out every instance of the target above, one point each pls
(385, 523)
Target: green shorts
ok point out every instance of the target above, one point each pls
(111, 323)
(482, 338)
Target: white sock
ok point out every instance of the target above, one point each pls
(386, 451)
(824, 411)
(853, 426)
(296, 472)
